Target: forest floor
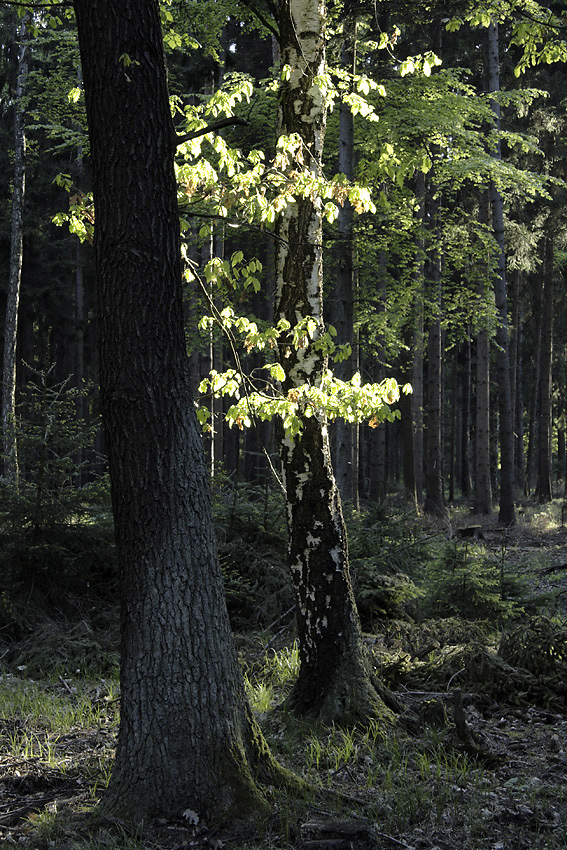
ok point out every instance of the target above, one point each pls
(477, 759)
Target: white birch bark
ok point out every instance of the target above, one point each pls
(334, 681)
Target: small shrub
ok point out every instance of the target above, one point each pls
(470, 582)
(385, 551)
(539, 646)
(252, 542)
(56, 532)
(61, 478)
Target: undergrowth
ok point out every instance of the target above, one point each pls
(415, 783)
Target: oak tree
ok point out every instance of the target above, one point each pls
(187, 739)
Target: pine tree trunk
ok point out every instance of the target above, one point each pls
(544, 491)
(417, 396)
(79, 359)
(434, 496)
(341, 313)
(507, 513)
(334, 681)
(10, 448)
(482, 487)
(465, 420)
(405, 405)
(516, 381)
(187, 738)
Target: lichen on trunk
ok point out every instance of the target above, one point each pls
(334, 681)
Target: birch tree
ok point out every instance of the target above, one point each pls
(334, 682)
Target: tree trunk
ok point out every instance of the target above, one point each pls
(334, 681)
(482, 487)
(419, 342)
(507, 513)
(79, 359)
(187, 738)
(10, 447)
(463, 459)
(544, 491)
(434, 496)
(406, 410)
(516, 381)
(341, 314)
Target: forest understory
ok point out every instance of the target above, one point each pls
(464, 621)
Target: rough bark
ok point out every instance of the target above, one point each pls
(507, 514)
(334, 681)
(15, 272)
(187, 738)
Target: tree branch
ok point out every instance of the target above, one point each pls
(31, 5)
(211, 128)
(261, 17)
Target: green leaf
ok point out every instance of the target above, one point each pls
(277, 372)
(74, 94)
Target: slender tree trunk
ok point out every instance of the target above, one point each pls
(507, 513)
(434, 495)
(187, 738)
(341, 314)
(15, 273)
(411, 406)
(453, 429)
(334, 682)
(520, 461)
(377, 437)
(418, 345)
(79, 364)
(544, 491)
(405, 405)
(516, 381)
(482, 487)
(465, 422)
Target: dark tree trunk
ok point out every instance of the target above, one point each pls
(419, 343)
(406, 410)
(463, 459)
(482, 488)
(10, 447)
(434, 492)
(186, 739)
(516, 382)
(507, 513)
(334, 681)
(341, 314)
(544, 491)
